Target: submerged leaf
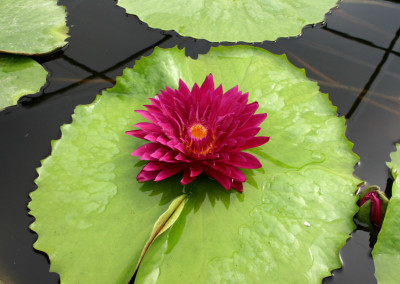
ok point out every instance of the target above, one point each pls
(222, 20)
(19, 76)
(32, 26)
(386, 252)
(93, 218)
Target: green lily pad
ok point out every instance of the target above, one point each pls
(222, 20)
(386, 252)
(93, 218)
(32, 26)
(19, 76)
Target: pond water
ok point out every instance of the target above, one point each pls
(354, 56)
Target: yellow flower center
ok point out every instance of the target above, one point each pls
(198, 131)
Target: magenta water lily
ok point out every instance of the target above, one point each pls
(199, 131)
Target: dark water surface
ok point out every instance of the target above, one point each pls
(355, 57)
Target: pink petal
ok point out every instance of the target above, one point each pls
(146, 115)
(137, 133)
(155, 101)
(160, 117)
(146, 148)
(248, 132)
(181, 158)
(236, 157)
(218, 91)
(153, 109)
(256, 119)
(169, 90)
(180, 147)
(243, 160)
(237, 186)
(250, 108)
(168, 157)
(171, 126)
(228, 94)
(222, 168)
(183, 88)
(170, 171)
(208, 84)
(187, 178)
(146, 176)
(226, 121)
(237, 174)
(148, 127)
(254, 142)
(172, 143)
(162, 140)
(195, 90)
(223, 180)
(231, 142)
(160, 152)
(155, 166)
(152, 137)
(230, 171)
(195, 170)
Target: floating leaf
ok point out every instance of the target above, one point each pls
(222, 20)
(386, 252)
(19, 76)
(32, 26)
(93, 218)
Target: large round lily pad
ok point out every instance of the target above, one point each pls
(93, 218)
(234, 20)
(19, 76)
(32, 26)
(386, 252)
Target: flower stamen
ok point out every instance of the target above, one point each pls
(198, 131)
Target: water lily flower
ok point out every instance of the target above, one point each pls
(199, 131)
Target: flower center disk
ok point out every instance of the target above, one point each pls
(198, 131)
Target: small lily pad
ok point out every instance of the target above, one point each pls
(32, 26)
(235, 20)
(94, 218)
(19, 76)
